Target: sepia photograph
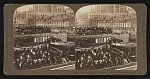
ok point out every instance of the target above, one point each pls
(106, 37)
(40, 37)
(56, 37)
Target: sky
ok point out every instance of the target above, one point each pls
(24, 8)
(86, 8)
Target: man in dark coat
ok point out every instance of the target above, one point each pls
(89, 62)
(81, 63)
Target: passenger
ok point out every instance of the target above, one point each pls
(21, 63)
(96, 64)
(100, 64)
(89, 62)
(63, 60)
(82, 63)
(55, 61)
(49, 62)
(28, 62)
(125, 62)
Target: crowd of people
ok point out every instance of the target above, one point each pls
(93, 30)
(31, 29)
(37, 57)
(100, 57)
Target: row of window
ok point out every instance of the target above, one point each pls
(40, 39)
(114, 24)
(102, 40)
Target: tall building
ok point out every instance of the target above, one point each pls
(49, 8)
(111, 9)
(118, 17)
(52, 15)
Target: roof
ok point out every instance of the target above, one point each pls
(63, 43)
(125, 44)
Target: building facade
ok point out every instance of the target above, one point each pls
(118, 17)
(45, 15)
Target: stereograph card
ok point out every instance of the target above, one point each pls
(75, 39)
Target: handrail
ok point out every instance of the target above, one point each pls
(117, 50)
(56, 49)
